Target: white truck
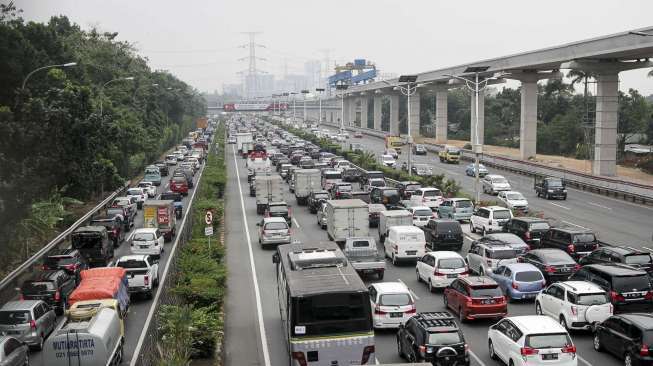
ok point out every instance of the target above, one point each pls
(142, 273)
(242, 137)
(364, 256)
(94, 342)
(269, 188)
(346, 218)
(388, 219)
(306, 181)
(258, 166)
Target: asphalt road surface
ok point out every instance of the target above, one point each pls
(139, 306)
(254, 333)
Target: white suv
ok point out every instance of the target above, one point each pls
(439, 269)
(485, 258)
(531, 340)
(147, 241)
(421, 215)
(575, 304)
(489, 219)
(494, 183)
(427, 196)
(392, 302)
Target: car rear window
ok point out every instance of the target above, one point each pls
(278, 209)
(321, 196)
(413, 187)
(14, 317)
(446, 227)
(377, 183)
(444, 338)
(143, 236)
(451, 263)
(638, 259)
(276, 226)
(540, 226)
(395, 300)
(584, 238)
(556, 257)
(631, 283)
(501, 214)
(423, 212)
(134, 191)
(598, 298)
(179, 180)
(553, 340)
(332, 176)
(485, 291)
(59, 261)
(361, 244)
(344, 188)
(32, 288)
(464, 204)
(432, 193)
(501, 254)
(528, 276)
(132, 263)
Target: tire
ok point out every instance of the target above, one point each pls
(26, 359)
(483, 231)
(461, 315)
(563, 322)
(546, 195)
(39, 346)
(379, 275)
(538, 308)
(156, 282)
(596, 342)
(445, 302)
(511, 363)
(431, 288)
(399, 350)
(471, 227)
(628, 359)
(490, 348)
(481, 272)
(394, 260)
(419, 279)
(149, 295)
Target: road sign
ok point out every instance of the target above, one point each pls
(208, 218)
(208, 231)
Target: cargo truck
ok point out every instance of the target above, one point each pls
(388, 219)
(243, 137)
(269, 188)
(306, 181)
(346, 218)
(160, 214)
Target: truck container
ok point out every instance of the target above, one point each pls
(306, 181)
(388, 219)
(103, 283)
(258, 166)
(269, 188)
(94, 342)
(346, 218)
(243, 137)
(160, 214)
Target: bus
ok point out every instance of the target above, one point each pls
(324, 305)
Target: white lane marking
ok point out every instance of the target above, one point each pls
(162, 282)
(576, 225)
(469, 237)
(597, 205)
(476, 358)
(561, 206)
(583, 360)
(411, 291)
(296, 223)
(131, 235)
(257, 292)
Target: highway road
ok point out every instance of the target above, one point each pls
(139, 307)
(254, 334)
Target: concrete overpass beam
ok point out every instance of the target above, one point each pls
(414, 110)
(378, 101)
(394, 114)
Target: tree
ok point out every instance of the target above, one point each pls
(634, 115)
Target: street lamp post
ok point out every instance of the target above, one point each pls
(107, 83)
(475, 86)
(69, 64)
(319, 98)
(304, 92)
(408, 90)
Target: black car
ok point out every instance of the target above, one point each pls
(626, 336)
(443, 234)
(163, 168)
(387, 196)
(555, 264)
(576, 242)
(279, 209)
(70, 260)
(529, 229)
(53, 287)
(406, 188)
(629, 289)
(432, 337)
(114, 228)
(633, 257)
(252, 187)
(315, 199)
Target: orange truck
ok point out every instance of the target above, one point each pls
(203, 123)
(103, 283)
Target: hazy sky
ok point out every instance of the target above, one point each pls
(198, 40)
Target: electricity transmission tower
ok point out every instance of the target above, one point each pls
(251, 84)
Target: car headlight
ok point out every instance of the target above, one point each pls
(550, 190)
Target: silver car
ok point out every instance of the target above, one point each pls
(273, 230)
(13, 352)
(322, 216)
(30, 321)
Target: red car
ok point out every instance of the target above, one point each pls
(178, 184)
(358, 134)
(476, 297)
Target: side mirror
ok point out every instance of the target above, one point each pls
(275, 258)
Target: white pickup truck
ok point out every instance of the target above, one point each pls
(142, 273)
(364, 256)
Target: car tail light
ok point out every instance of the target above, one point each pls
(57, 296)
(378, 311)
(515, 285)
(301, 359)
(527, 235)
(549, 269)
(466, 348)
(528, 351)
(436, 273)
(146, 280)
(596, 246)
(412, 310)
(569, 349)
(367, 352)
(574, 310)
(616, 297)
(644, 350)
(571, 248)
(649, 295)
(32, 324)
(464, 273)
(44, 267)
(115, 232)
(415, 217)
(21, 297)
(577, 267)
(611, 309)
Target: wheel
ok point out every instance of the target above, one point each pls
(148, 295)
(379, 275)
(39, 346)
(598, 347)
(563, 322)
(628, 359)
(419, 279)
(511, 363)
(156, 281)
(481, 271)
(471, 227)
(483, 231)
(411, 356)
(394, 260)
(490, 348)
(509, 297)
(445, 301)
(546, 195)
(461, 315)
(431, 288)
(538, 308)
(26, 359)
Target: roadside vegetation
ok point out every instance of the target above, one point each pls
(74, 133)
(193, 328)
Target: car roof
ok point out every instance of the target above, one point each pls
(419, 208)
(537, 324)
(132, 257)
(458, 199)
(441, 254)
(495, 208)
(521, 267)
(623, 250)
(615, 270)
(573, 230)
(20, 305)
(146, 230)
(274, 219)
(91, 228)
(581, 286)
(506, 192)
(643, 320)
(424, 189)
(391, 287)
(478, 281)
(494, 176)
(529, 219)
(405, 228)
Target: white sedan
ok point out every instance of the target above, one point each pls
(513, 200)
(389, 161)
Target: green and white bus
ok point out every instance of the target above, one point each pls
(324, 305)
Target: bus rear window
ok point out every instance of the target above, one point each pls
(332, 314)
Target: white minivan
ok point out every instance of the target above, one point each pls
(404, 243)
(147, 241)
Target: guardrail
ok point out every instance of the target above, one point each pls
(635, 192)
(27, 268)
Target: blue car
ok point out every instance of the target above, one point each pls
(519, 281)
(482, 171)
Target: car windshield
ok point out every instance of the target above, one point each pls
(413, 187)
(555, 183)
(179, 180)
(173, 197)
(638, 259)
(132, 263)
(464, 204)
(332, 176)
(280, 208)
(540, 226)
(451, 263)
(395, 300)
(485, 292)
(528, 276)
(631, 283)
(515, 196)
(584, 238)
(143, 236)
(501, 254)
(14, 317)
(432, 193)
(588, 299)
(33, 288)
(444, 338)
(276, 226)
(501, 214)
(377, 183)
(555, 340)
(454, 151)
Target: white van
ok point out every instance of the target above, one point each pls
(404, 242)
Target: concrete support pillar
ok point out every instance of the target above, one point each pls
(352, 112)
(481, 121)
(528, 120)
(441, 117)
(346, 117)
(414, 110)
(394, 114)
(607, 108)
(378, 101)
(364, 111)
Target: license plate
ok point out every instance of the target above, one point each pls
(529, 296)
(411, 252)
(144, 246)
(565, 269)
(488, 301)
(452, 275)
(396, 315)
(550, 356)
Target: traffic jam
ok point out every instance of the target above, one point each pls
(75, 310)
(445, 281)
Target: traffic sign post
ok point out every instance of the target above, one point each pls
(208, 231)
